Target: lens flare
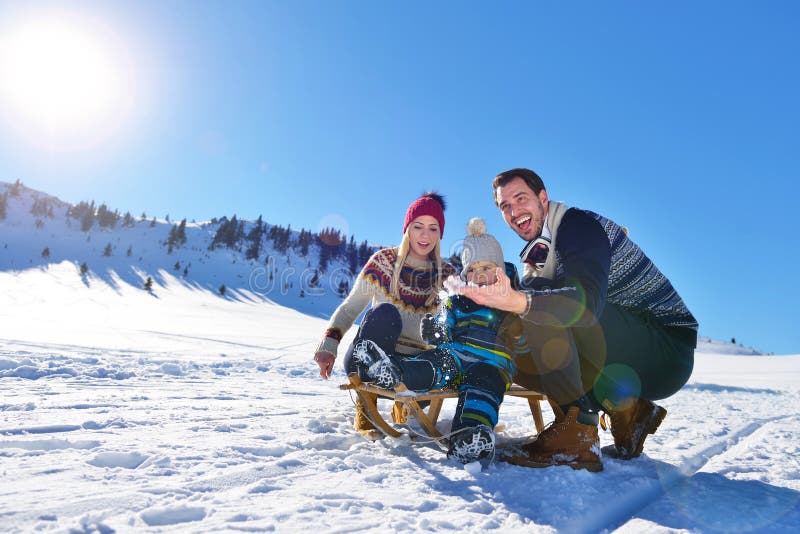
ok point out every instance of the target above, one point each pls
(617, 385)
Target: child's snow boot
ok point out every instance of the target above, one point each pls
(631, 426)
(471, 444)
(374, 366)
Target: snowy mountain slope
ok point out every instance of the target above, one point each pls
(44, 240)
(182, 411)
(707, 344)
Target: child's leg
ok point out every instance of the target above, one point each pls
(480, 395)
(432, 369)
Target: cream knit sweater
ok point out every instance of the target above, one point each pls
(372, 287)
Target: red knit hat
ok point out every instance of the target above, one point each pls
(428, 204)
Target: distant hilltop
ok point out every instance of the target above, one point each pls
(238, 259)
(716, 346)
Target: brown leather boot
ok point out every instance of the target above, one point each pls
(564, 442)
(361, 420)
(630, 428)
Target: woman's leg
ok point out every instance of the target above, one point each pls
(382, 325)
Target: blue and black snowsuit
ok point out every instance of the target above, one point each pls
(477, 358)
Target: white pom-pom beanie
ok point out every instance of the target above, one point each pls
(480, 246)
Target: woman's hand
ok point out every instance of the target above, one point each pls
(499, 295)
(325, 361)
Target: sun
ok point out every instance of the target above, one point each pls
(62, 81)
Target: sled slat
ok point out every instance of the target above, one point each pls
(410, 401)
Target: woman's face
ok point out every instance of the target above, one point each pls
(424, 233)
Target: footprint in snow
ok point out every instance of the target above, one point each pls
(156, 517)
(125, 460)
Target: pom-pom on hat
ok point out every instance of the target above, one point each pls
(480, 246)
(432, 204)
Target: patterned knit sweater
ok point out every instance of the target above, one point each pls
(373, 286)
(594, 255)
(635, 283)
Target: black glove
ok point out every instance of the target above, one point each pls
(432, 331)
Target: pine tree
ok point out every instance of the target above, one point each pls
(84, 269)
(41, 208)
(177, 266)
(185, 271)
(107, 218)
(352, 255)
(148, 284)
(229, 233)
(87, 219)
(304, 241)
(180, 234)
(107, 251)
(15, 189)
(254, 237)
(364, 253)
(222, 289)
(46, 252)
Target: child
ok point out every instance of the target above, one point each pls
(475, 351)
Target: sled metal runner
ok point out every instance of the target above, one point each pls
(407, 405)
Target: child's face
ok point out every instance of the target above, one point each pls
(482, 273)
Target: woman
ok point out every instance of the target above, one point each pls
(401, 284)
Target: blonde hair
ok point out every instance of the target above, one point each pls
(402, 255)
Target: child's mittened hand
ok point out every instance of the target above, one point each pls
(429, 330)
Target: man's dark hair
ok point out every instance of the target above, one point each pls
(531, 178)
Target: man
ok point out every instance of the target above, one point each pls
(607, 330)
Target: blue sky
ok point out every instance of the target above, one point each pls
(676, 119)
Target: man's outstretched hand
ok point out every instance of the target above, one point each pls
(325, 361)
(499, 295)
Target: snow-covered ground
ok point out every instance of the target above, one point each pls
(122, 410)
(182, 410)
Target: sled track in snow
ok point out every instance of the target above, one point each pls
(613, 516)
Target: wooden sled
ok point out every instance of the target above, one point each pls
(407, 405)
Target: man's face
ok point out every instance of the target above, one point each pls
(522, 209)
